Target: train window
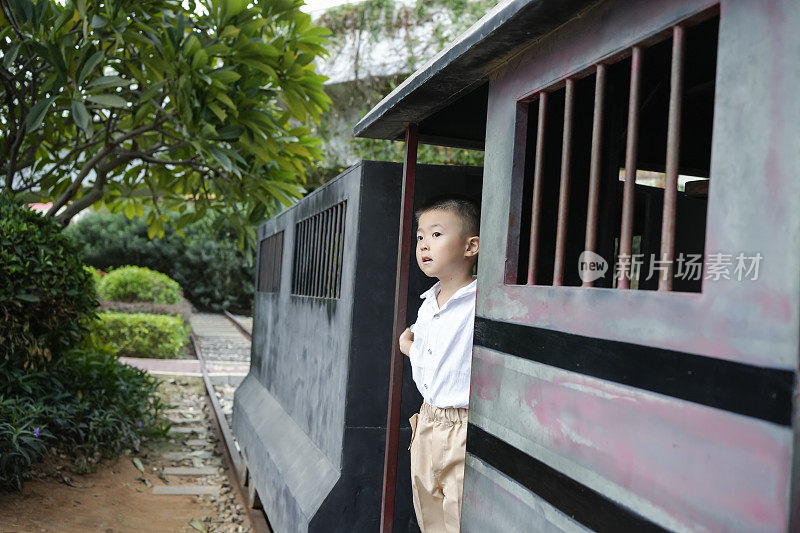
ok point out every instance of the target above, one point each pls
(581, 222)
(318, 248)
(270, 255)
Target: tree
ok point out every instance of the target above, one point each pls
(135, 102)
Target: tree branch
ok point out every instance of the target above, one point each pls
(90, 165)
(94, 194)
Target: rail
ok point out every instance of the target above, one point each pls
(227, 445)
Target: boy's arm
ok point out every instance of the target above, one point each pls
(406, 340)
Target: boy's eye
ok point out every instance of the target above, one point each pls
(419, 237)
(436, 234)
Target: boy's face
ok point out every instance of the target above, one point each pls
(443, 247)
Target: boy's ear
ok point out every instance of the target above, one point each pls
(473, 243)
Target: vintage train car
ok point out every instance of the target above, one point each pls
(638, 315)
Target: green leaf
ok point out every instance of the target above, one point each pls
(217, 110)
(229, 132)
(81, 116)
(11, 55)
(200, 59)
(107, 100)
(222, 158)
(98, 22)
(129, 211)
(225, 76)
(230, 31)
(90, 64)
(191, 45)
(37, 113)
(106, 82)
(225, 99)
(298, 149)
(152, 91)
(257, 214)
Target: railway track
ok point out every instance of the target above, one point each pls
(227, 443)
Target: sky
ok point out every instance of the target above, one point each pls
(315, 6)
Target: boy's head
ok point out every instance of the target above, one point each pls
(447, 237)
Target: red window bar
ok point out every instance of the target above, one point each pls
(672, 163)
(537, 190)
(563, 194)
(628, 194)
(594, 169)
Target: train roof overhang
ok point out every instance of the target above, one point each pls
(448, 96)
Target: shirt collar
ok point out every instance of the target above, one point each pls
(463, 291)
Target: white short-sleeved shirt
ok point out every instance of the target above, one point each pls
(441, 355)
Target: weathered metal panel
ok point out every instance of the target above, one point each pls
(511, 508)
(682, 465)
(685, 466)
(313, 448)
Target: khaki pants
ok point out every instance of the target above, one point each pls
(438, 448)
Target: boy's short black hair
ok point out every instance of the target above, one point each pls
(467, 211)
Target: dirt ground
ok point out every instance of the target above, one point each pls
(115, 498)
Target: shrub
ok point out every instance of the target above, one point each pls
(85, 404)
(139, 284)
(46, 297)
(142, 334)
(183, 309)
(97, 277)
(213, 272)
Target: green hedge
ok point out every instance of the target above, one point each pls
(212, 271)
(85, 404)
(47, 299)
(139, 284)
(142, 334)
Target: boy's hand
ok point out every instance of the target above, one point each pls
(406, 340)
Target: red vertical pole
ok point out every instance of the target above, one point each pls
(594, 169)
(673, 160)
(629, 189)
(563, 194)
(536, 206)
(404, 242)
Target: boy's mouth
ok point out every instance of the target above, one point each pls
(426, 260)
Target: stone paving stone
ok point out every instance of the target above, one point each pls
(185, 489)
(189, 430)
(189, 471)
(184, 421)
(197, 442)
(186, 456)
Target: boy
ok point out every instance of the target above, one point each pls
(439, 346)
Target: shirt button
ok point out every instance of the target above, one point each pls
(429, 350)
(426, 386)
(435, 316)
